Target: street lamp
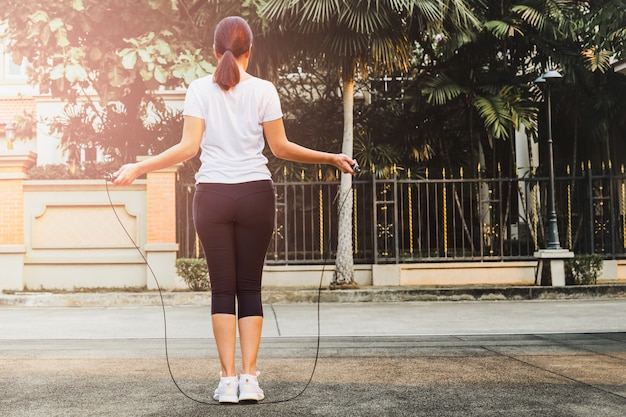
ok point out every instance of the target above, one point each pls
(9, 133)
(546, 80)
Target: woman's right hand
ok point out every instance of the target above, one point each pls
(345, 163)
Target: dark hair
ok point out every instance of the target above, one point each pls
(232, 39)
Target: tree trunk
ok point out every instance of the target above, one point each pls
(484, 208)
(344, 264)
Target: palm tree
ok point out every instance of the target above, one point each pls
(479, 87)
(355, 38)
(482, 81)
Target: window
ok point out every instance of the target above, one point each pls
(12, 71)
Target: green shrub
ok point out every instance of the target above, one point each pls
(194, 272)
(87, 170)
(585, 268)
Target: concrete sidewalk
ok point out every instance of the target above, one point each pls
(273, 295)
(558, 357)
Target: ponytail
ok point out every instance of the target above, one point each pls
(232, 39)
(226, 74)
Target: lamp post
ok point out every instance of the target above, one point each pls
(551, 77)
(9, 133)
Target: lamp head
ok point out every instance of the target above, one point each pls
(9, 131)
(552, 76)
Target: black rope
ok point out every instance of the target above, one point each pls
(108, 178)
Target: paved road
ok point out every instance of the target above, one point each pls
(336, 319)
(479, 358)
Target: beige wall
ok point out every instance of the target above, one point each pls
(74, 239)
(70, 234)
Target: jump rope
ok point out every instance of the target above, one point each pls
(111, 177)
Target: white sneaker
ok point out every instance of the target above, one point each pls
(226, 391)
(249, 388)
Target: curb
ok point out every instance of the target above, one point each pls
(310, 295)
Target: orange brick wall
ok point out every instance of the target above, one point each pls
(13, 167)
(161, 206)
(11, 212)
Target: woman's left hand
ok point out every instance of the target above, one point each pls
(126, 174)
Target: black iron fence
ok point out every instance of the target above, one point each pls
(438, 219)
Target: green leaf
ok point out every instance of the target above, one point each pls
(493, 111)
(57, 72)
(45, 34)
(501, 29)
(207, 67)
(441, 89)
(38, 16)
(62, 40)
(144, 55)
(597, 59)
(55, 24)
(146, 74)
(162, 47)
(160, 74)
(78, 5)
(129, 58)
(531, 15)
(75, 72)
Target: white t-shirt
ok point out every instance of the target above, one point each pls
(232, 144)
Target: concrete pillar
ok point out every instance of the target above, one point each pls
(161, 245)
(556, 258)
(13, 168)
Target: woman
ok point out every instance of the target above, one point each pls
(226, 116)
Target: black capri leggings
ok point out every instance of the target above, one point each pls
(235, 224)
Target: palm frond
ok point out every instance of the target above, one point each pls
(502, 29)
(427, 10)
(317, 11)
(441, 89)
(366, 19)
(534, 17)
(343, 43)
(597, 59)
(523, 110)
(494, 112)
(389, 54)
(461, 14)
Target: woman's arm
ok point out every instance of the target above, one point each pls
(284, 149)
(187, 148)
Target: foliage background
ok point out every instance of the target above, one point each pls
(456, 106)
